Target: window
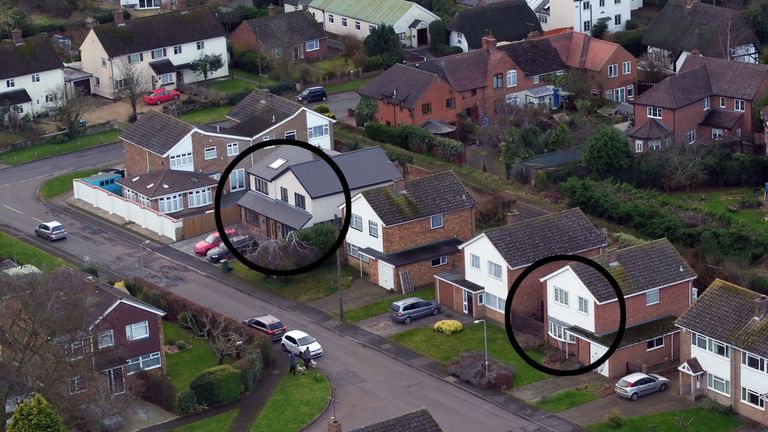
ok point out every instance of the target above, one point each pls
(146, 362)
(283, 194)
(330, 18)
(237, 180)
(343, 22)
(177, 50)
(312, 45)
(103, 62)
(436, 221)
(652, 296)
(654, 144)
(356, 222)
(616, 1)
(473, 92)
(200, 45)
(494, 302)
(626, 67)
(691, 136)
(165, 78)
(738, 104)
(480, 298)
(585, 5)
(9, 83)
(543, 18)
(106, 339)
(717, 133)
(75, 350)
(199, 198)
(170, 204)
(706, 103)
(617, 19)
(494, 270)
(511, 99)
(357, 25)
(135, 58)
(97, 81)
(209, 153)
(602, 3)
(587, 26)
(77, 385)
(50, 98)
(355, 252)
(474, 261)
(638, 146)
(559, 332)
(738, 132)
(718, 384)
(613, 70)
(426, 108)
(261, 186)
(654, 112)
(437, 262)
(698, 341)
(511, 78)
(373, 229)
(137, 331)
(497, 79)
(371, 28)
(718, 348)
(561, 296)
(609, 95)
(402, 36)
(630, 91)
(655, 343)
(299, 201)
(752, 361)
(753, 398)
(35, 77)
(583, 305)
(158, 53)
(144, 201)
(618, 94)
(722, 102)
(181, 160)
(536, 79)
(290, 135)
(450, 103)
(119, 84)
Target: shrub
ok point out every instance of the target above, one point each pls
(470, 367)
(281, 88)
(631, 24)
(155, 298)
(614, 419)
(181, 345)
(218, 385)
(170, 341)
(119, 285)
(445, 50)
(135, 288)
(373, 63)
(186, 402)
(250, 369)
(448, 326)
(322, 109)
(91, 270)
(382, 133)
(157, 389)
(712, 406)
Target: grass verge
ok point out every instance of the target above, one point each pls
(346, 86)
(217, 423)
(24, 253)
(296, 401)
(207, 115)
(232, 85)
(305, 287)
(45, 150)
(703, 421)
(382, 306)
(58, 185)
(564, 400)
(184, 366)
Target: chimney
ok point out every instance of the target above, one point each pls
(119, 19)
(90, 285)
(271, 10)
(610, 257)
(511, 216)
(535, 35)
(761, 306)
(399, 185)
(181, 6)
(334, 425)
(16, 36)
(489, 42)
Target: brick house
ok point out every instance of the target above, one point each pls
(295, 31)
(709, 98)
(723, 349)
(508, 21)
(402, 235)
(494, 259)
(582, 313)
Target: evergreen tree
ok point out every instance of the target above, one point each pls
(36, 415)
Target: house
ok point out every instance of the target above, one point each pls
(417, 421)
(162, 47)
(582, 310)
(507, 21)
(169, 191)
(143, 4)
(284, 197)
(402, 235)
(708, 98)
(582, 15)
(495, 258)
(357, 18)
(294, 5)
(295, 31)
(535, 59)
(31, 75)
(475, 3)
(684, 27)
(724, 349)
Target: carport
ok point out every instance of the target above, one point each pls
(76, 79)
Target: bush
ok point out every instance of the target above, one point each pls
(631, 24)
(186, 402)
(250, 369)
(322, 109)
(382, 133)
(134, 288)
(448, 326)
(712, 406)
(281, 88)
(249, 62)
(157, 389)
(91, 270)
(170, 341)
(218, 385)
(373, 63)
(181, 345)
(614, 419)
(445, 50)
(155, 298)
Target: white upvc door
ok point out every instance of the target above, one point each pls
(595, 352)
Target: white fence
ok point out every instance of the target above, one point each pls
(131, 211)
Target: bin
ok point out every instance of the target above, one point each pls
(225, 266)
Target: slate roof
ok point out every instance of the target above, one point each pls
(275, 209)
(159, 31)
(417, 421)
(156, 132)
(722, 119)
(437, 127)
(372, 11)
(35, 55)
(158, 183)
(400, 84)
(632, 335)
(259, 110)
(420, 253)
(299, 26)
(535, 56)
(651, 129)
(163, 66)
(580, 50)
(463, 71)
(726, 312)
(702, 26)
(566, 232)
(507, 21)
(425, 196)
(362, 168)
(14, 97)
(292, 155)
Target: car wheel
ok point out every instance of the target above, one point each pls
(633, 397)
(176, 97)
(325, 98)
(282, 347)
(663, 388)
(158, 102)
(37, 233)
(435, 311)
(407, 320)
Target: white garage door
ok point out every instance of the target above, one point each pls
(386, 275)
(595, 352)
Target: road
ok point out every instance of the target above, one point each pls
(339, 102)
(369, 386)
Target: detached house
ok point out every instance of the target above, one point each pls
(724, 349)
(507, 21)
(582, 15)
(296, 32)
(582, 311)
(161, 46)
(402, 235)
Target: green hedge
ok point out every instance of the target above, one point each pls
(281, 88)
(218, 385)
(186, 401)
(251, 368)
(414, 138)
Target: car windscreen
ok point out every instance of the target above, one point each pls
(623, 383)
(306, 340)
(57, 228)
(304, 93)
(394, 308)
(210, 239)
(275, 325)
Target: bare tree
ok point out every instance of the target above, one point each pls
(135, 84)
(282, 254)
(282, 50)
(220, 336)
(683, 423)
(71, 105)
(684, 167)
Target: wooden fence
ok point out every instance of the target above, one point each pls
(206, 222)
(524, 324)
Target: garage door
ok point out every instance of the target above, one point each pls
(595, 352)
(386, 275)
(83, 86)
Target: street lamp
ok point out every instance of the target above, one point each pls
(485, 338)
(141, 254)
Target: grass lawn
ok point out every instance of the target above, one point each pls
(232, 86)
(704, 421)
(564, 400)
(25, 253)
(296, 401)
(346, 86)
(443, 348)
(382, 306)
(207, 115)
(44, 150)
(263, 81)
(184, 366)
(717, 201)
(217, 423)
(305, 287)
(333, 64)
(63, 183)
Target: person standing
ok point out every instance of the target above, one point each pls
(307, 357)
(292, 362)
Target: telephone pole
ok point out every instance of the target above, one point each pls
(338, 281)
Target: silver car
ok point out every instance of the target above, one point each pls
(51, 231)
(409, 309)
(638, 384)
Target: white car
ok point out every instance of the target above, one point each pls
(296, 341)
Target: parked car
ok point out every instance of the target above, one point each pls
(638, 384)
(51, 231)
(268, 325)
(161, 95)
(312, 94)
(407, 310)
(210, 242)
(296, 341)
(221, 252)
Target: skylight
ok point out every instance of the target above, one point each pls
(165, 186)
(277, 164)
(150, 185)
(135, 178)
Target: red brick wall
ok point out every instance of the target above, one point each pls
(123, 315)
(244, 38)
(444, 294)
(602, 82)
(317, 54)
(632, 358)
(422, 273)
(673, 300)
(436, 94)
(459, 224)
(136, 160)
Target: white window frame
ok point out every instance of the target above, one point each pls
(170, 203)
(343, 21)
(723, 102)
(559, 332)
(209, 153)
(745, 392)
(75, 350)
(630, 91)
(35, 77)
(233, 149)
(177, 50)
(654, 112)
(626, 68)
(77, 385)
(373, 229)
(717, 133)
(712, 380)
(617, 19)
(135, 58)
(200, 45)
(706, 103)
(583, 305)
(511, 99)
(290, 133)
(237, 180)
(493, 302)
(180, 160)
(613, 70)
(354, 251)
(474, 261)
(199, 198)
(738, 105)
(312, 45)
(330, 18)
(104, 334)
(432, 221)
(691, 136)
(649, 295)
(638, 146)
(129, 364)
(492, 266)
(560, 296)
(655, 343)
(441, 261)
(512, 78)
(158, 53)
(357, 25)
(130, 329)
(356, 222)
(535, 79)
(318, 131)
(165, 78)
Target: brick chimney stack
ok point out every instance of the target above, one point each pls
(16, 36)
(118, 12)
(334, 425)
(611, 257)
(761, 307)
(399, 185)
(489, 42)
(511, 216)
(90, 285)
(271, 10)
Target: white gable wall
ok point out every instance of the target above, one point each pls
(362, 238)
(290, 182)
(316, 119)
(50, 82)
(570, 314)
(458, 39)
(714, 363)
(483, 248)
(416, 12)
(183, 146)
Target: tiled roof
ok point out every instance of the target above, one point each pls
(298, 27)
(259, 111)
(554, 159)
(726, 312)
(417, 421)
(400, 85)
(420, 253)
(425, 196)
(580, 50)
(463, 71)
(291, 154)
(651, 129)
(158, 183)
(535, 56)
(156, 132)
(634, 334)
(278, 210)
(372, 11)
(722, 119)
(507, 21)
(693, 365)
(35, 55)
(567, 232)
(158, 31)
(678, 90)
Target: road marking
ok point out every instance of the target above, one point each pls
(37, 219)
(12, 209)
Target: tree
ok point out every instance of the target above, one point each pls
(36, 415)
(445, 9)
(365, 111)
(207, 65)
(384, 42)
(135, 84)
(607, 152)
(283, 254)
(438, 34)
(222, 339)
(71, 105)
(511, 149)
(599, 29)
(684, 166)
(320, 236)
(558, 138)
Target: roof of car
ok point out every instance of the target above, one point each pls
(407, 300)
(268, 318)
(296, 333)
(52, 223)
(635, 376)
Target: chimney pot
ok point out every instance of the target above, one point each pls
(489, 42)
(399, 185)
(334, 425)
(761, 306)
(511, 216)
(16, 36)
(119, 18)
(271, 10)
(611, 257)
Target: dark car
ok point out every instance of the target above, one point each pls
(268, 325)
(407, 310)
(312, 94)
(221, 252)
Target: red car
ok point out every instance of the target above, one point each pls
(156, 97)
(210, 242)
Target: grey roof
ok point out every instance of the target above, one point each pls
(158, 183)
(163, 66)
(420, 253)
(14, 97)
(292, 155)
(566, 232)
(535, 56)
(457, 277)
(362, 168)
(437, 127)
(651, 129)
(72, 74)
(278, 210)
(507, 21)
(636, 333)
(726, 312)
(554, 159)
(156, 132)
(36, 54)
(423, 197)
(260, 109)
(297, 26)
(722, 119)
(400, 85)
(417, 421)
(694, 365)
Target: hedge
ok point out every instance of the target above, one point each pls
(157, 389)
(218, 385)
(250, 369)
(281, 88)
(186, 401)
(414, 138)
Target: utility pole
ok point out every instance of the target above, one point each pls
(338, 281)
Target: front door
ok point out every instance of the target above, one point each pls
(468, 302)
(473, 113)
(116, 380)
(386, 275)
(179, 78)
(595, 352)
(295, 53)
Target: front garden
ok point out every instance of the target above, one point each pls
(305, 287)
(59, 185)
(701, 420)
(294, 404)
(57, 148)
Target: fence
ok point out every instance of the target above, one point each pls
(145, 217)
(97, 128)
(526, 325)
(206, 222)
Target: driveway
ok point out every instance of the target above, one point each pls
(383, 326)
(105, 110)
(339, 102)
